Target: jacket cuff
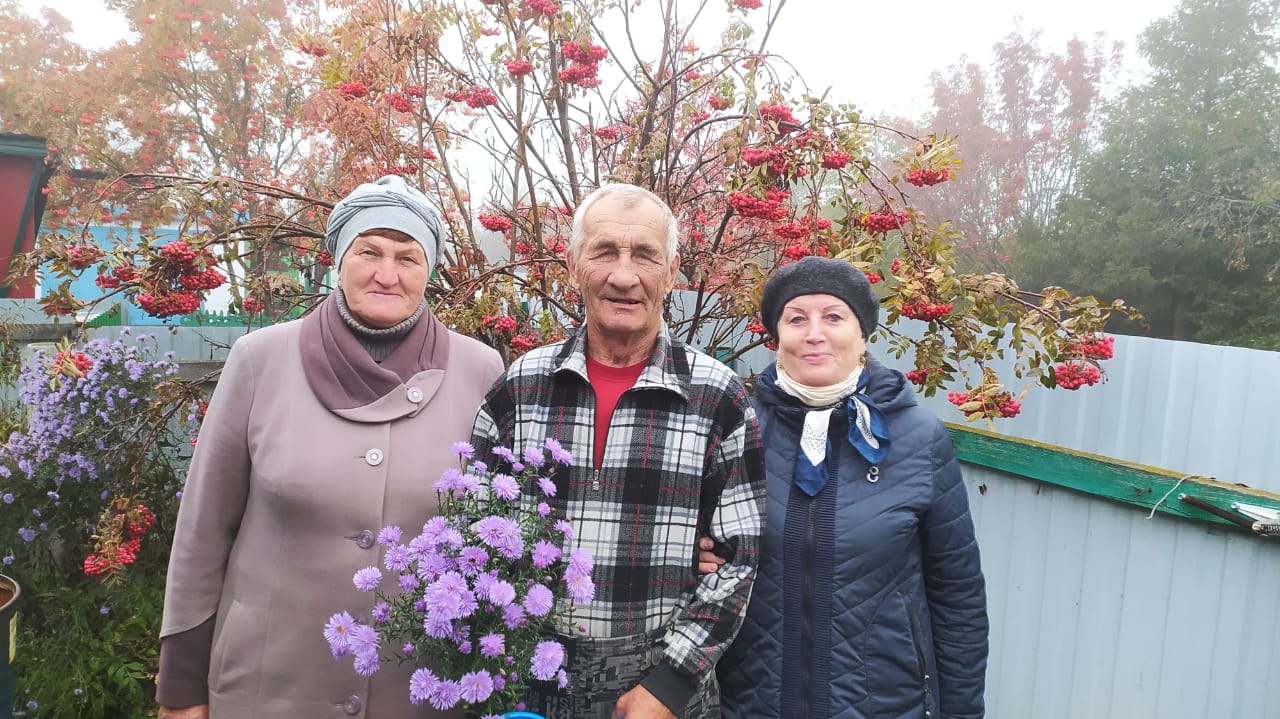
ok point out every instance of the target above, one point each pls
(183, 680)
(670, 686)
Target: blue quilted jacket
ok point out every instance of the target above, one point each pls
(869, 600)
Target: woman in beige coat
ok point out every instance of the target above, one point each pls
(322, 431)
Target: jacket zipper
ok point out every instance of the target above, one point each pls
(920, 662)
(595, 471)
(806, 611)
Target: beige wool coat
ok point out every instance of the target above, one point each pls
(281, 508)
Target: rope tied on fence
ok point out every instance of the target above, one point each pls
(1172, 489)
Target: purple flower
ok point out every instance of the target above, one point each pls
(363, 639)
(397, 558)
(498, 685)
(447, 597)
(389, 536)
(432, 530)
(422, 684)
(366, 664)
(544, 553)
(464, 647)
(450, 480)
(26, 534)
(548, 487)
(451, 537)
(538, 600)
(547, 658)
(479, 467)
(564, 528)
(501, 593)
(471, 560)
(436, 626)
(104, 610)
(445, 695)
(492, 645)
(408, 582)
(470, 484)
(464, 450)
(513, 616)
(476, 686)
(504, 454)
(558, 453)
(366, 580)
(562, 679)
(337, 631)
(431, 566)
(483, 583)
(543, 509)
(505, 487)
(579, 563)
(533, 456)
(502, 534)
(581, 588)
(381, 611)
(517, 467)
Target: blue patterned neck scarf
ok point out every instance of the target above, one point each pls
(868, 434)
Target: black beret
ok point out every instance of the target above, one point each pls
(820, 276)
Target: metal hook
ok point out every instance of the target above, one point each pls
(873, 474)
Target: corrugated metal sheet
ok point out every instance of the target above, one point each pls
(186, 343)
(1199, 409)
(1100, 612)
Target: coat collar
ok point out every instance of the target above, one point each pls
(668, 367)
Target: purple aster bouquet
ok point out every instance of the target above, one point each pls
(476, 589)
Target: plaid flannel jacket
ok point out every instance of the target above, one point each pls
(682, 458)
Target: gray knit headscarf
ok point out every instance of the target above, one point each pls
(388, 204)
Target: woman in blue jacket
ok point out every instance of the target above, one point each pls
(869, 600)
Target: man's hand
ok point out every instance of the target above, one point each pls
(708, 561)
(640, 704)
(200, 711)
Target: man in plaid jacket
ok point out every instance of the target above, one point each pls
(665, 448)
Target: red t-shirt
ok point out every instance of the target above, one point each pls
(609, 383)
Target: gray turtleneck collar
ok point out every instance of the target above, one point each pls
(380, 342)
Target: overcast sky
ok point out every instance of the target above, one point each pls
(833, 42)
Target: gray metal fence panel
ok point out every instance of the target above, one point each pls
(1099, 612)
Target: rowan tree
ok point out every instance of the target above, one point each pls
(508, 113)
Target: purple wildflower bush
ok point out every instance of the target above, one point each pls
(477, 589)
(90, 476)
(88, 456)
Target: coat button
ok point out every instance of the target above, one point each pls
(373, 457)
(364, 539)
(352, 705)
(414, 394)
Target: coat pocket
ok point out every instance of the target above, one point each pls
(230, 666)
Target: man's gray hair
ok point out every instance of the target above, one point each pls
(631, 195)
